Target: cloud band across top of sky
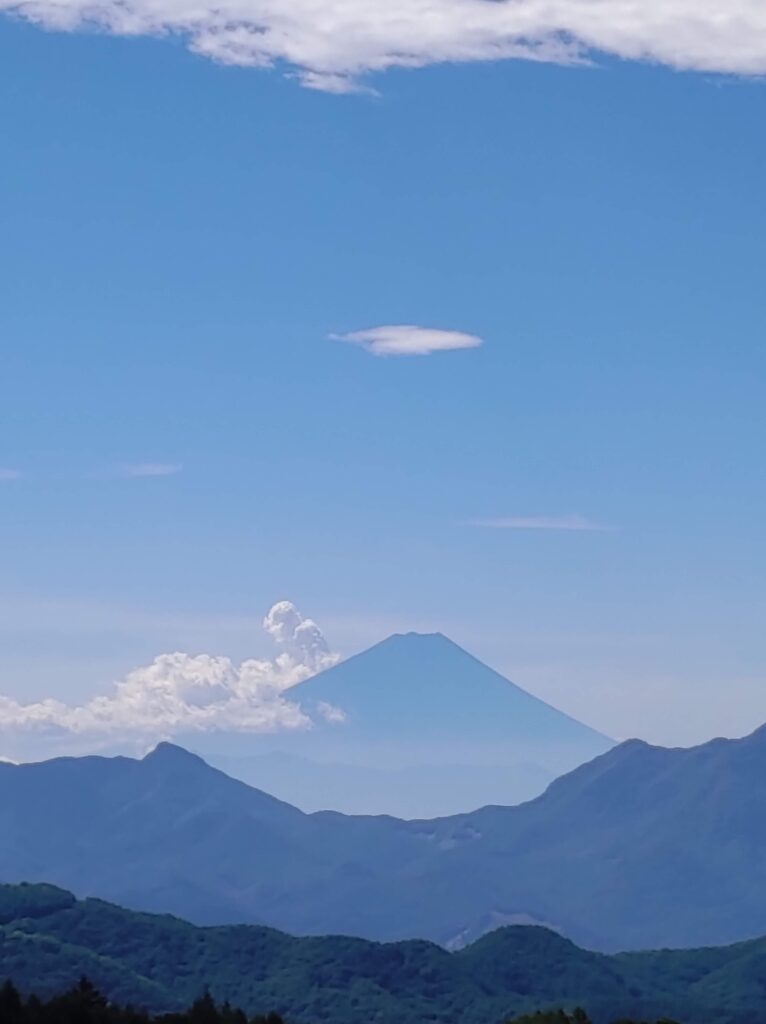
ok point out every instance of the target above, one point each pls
(179, 694)
(332, 44)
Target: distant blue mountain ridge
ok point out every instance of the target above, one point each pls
(643, 847)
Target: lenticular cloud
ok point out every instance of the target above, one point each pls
(409, 340)
(181, 693)
(332, 44)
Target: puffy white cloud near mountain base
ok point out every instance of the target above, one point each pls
(332, 44)
(182, 693)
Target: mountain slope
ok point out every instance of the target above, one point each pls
(668, 844)
(47, 940)
(170, 833)
(643, 847)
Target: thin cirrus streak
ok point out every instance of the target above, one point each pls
(137, 470)
(332, 44)
(122, 471)
(572, 523)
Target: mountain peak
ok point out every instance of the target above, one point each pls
(413, 637)
(171, 755)
(417, 633)
(425, 688)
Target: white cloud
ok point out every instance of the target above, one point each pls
(182, 693)
(539, 523)
(408, 340)
(303, 640)
(136, 470)
(329, 712)
(330, 44)
(6, 475)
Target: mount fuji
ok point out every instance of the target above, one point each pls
(414, 727)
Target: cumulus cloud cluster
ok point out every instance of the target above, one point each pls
(181, 693)
(331, 44)
(408, 340)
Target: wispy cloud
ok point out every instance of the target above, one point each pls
(135, 470)
(576, 523)
(408, 340)
(332, 44)
(7, 475)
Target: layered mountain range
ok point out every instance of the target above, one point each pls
(642, 847)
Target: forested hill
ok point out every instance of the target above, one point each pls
(48, 939)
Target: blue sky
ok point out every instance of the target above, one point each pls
(180, 240)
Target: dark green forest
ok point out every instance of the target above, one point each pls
(84, 1004)
(159, 965)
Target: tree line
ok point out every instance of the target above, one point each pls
(578, 1016)
(84, 1004)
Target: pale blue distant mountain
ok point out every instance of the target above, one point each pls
(414, 681)
(426, 729)
(419, 791)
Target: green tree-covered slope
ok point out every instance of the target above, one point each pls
(48, 939)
